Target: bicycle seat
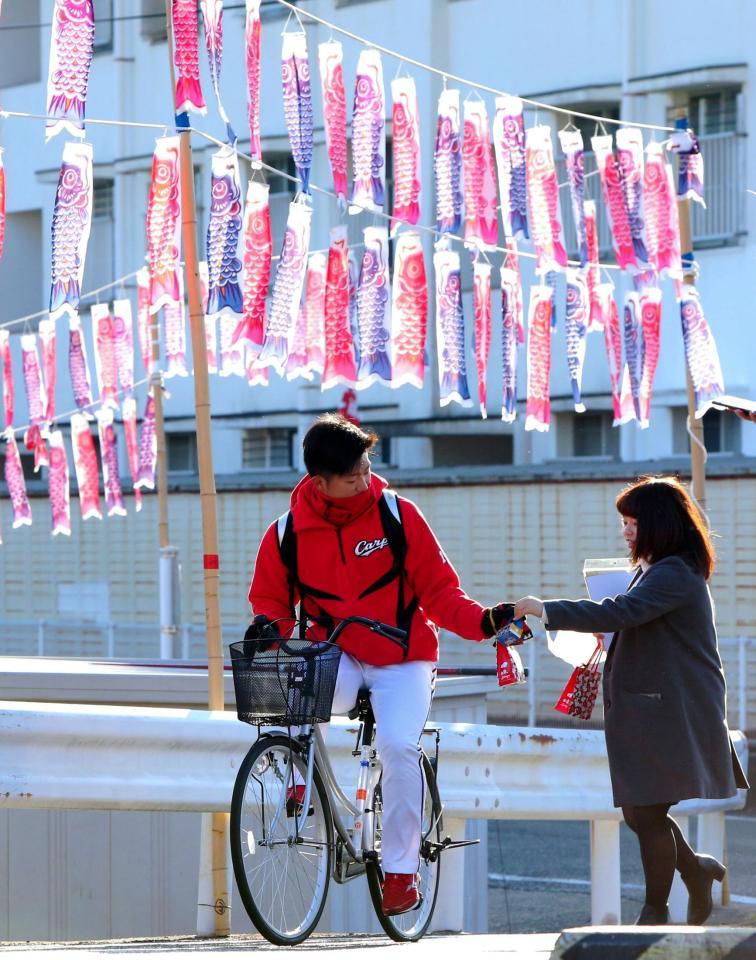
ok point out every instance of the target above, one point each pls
(363, 708)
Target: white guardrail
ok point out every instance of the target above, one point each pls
(73, 756)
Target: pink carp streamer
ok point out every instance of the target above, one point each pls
(231, 354)
(450, 330)
(538, 404)
(109, 455)
(409, 314)
(186, 57)
(129, 414)
(147, 448)
(296, 362)
(49, 364)
(252, 43)
(592, 269)
(571, 142)
(483, 311)
(2, 204)
(354, 264)
(223, 235)
(36, 399)
(368, 135)
(509, 144)
(258, 255)
(406, 146)
(105, 357)
(340, 364)
(78, 366)
(632, 337)
(662, 224)
(256, 374)
(85, 465)
(543, 201)
(650, 309)
(174, 322)
(71, 223)
(479, 174)
(164, 224)
(71, 46)
(512, 262)
(630, 160)
(144, 319)
(700, 351)
(314, 313)
(610, 323)
(510, 293)
(212, 15)
(614, 200)
(123, 336)
(330, 59)
(59, 486)
(373, 309)
(690, 170)
(297, 97)
(8, 389)
(575, 330)
(447, 164)
(287, 287)
(14, 478)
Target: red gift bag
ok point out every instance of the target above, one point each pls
(508, 666)
(579, 695)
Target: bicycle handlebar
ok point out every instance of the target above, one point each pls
(383, 629)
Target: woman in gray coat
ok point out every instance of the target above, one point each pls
(664, 689)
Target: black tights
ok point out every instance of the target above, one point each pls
(663, 848)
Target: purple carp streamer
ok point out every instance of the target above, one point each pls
(223, 233)
(482, 309)
(49, 364)
(690, 171)
(123, 336)
(2, 204)
(71, 223)
(14, 478)
(481, 224)
(252, 42)
(447, 164)
(632, 336)
(650, 308)
(340, 362)
(510, 294)
(662, 223)
(109, 456)
(86, 467)
(543, 201)
(212, 15)
(409, 313)
(509, 144)
(297, 97)
(538, 403)
(71, 46)
(147, 448)
(78, 367)
(258, 256)
(287, 287)
(186, 57)
(450, 330)
(59, 486)
(330, 57)
(8, 388)
(405, 128)
(368, 135)
(630, 161)
(105, 357)
(572, 147)
(700, 351)
(575, 330)
(164, 224)
(614, 200)
(373, 309)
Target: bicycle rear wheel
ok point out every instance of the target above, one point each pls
(282, 877)
(414, 924)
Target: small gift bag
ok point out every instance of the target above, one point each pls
(579, 695)
(509, 667)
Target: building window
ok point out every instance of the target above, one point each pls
(721, 432)
(152, 24)
(267, 449)
(19, 48)
(472, 451)
(181, 449)
(586, 435)
(103, 13)
(714, 112)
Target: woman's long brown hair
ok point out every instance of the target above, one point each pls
(669, 522)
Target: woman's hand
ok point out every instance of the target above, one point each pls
(529, 605)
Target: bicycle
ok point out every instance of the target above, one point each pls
(293, 828)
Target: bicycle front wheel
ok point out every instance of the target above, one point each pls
(282, 872)
(413, 924)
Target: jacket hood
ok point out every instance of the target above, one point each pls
(311, 508)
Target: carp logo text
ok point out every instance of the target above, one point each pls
(365, 547)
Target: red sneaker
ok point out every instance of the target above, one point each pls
(400, 893)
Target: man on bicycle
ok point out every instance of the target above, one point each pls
(349, 547)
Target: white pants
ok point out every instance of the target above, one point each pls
(401, 696)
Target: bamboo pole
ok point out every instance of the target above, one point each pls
(213, 918)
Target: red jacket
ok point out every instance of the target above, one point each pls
(342, 550)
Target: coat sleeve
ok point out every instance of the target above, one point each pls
(665, 586)
(269, 591)
(434, 580)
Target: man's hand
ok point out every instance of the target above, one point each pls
(494, 618)
(528, 606)
(262, 631)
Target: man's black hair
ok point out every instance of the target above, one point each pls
(334, 445)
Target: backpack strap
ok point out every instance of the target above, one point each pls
(287, 546)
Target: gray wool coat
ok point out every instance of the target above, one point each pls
(664, 689)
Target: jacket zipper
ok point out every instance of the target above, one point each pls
(341, 545)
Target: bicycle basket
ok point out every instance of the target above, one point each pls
(273, 687)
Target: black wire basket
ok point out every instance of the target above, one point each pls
(276, 688)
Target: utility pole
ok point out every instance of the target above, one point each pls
(214, 899)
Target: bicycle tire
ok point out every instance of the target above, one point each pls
(413, 925)
(285, 892)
